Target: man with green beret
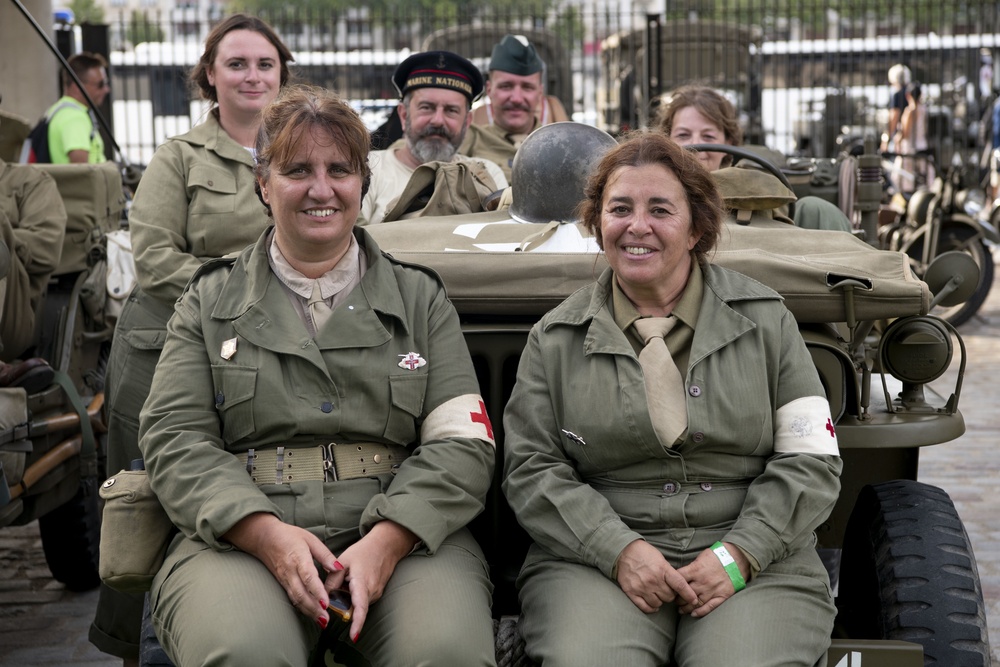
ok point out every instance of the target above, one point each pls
(516, 103)
(437, 89)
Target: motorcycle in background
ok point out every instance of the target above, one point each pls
(945, 216)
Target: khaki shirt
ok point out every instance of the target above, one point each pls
(239, 370)
(491, 143)
(195, 202)
(586, 475)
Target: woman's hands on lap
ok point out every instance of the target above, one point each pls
(649, 580)
(368, 564)
(710, 581)
(291, 554)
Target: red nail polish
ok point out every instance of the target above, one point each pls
(355, 637)
(324, 604)
(322, 622)
(337, 566)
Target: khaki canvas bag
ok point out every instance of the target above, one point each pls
(135, 532)
(443, 188)
(753, 196)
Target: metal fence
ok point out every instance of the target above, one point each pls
(809, 76)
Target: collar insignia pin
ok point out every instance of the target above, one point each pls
(228, 349)
(411, 361)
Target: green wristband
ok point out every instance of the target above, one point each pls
(728, 562)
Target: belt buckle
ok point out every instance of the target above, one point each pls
(329, 468)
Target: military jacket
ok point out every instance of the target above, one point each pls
(196, 201)
(490, 142)
(586, 475)
(239, 371)
(32, 226)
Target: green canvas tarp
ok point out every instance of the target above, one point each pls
(486, 273)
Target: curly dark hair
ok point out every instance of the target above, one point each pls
(643, 147)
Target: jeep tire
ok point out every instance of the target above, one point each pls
(71, 538)
(908, 573)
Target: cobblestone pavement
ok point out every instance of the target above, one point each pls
(42, 624)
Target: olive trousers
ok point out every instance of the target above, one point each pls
(575, 616)
(225, 608)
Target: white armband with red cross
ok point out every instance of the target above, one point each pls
(804, 426)
(461, 417)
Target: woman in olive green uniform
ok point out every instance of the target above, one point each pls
(315, 404)
(195, 202)
(672, 520)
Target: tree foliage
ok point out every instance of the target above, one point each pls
(140, 29)
(86, 11)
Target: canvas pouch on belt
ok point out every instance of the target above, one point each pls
(135, 532)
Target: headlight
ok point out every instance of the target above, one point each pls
(916, 349)
(971, 201)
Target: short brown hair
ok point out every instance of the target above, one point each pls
(299, 108)
(82, 63)
(640, 148)
(710, 104)
(199, 75)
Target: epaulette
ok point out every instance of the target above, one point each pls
(211, 265)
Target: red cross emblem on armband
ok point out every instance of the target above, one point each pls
(829, 427)
(482, 418)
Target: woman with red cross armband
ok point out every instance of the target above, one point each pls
(668, 445)
(315, 431)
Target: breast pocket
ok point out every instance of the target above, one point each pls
(407, 394)
(234, 389)
(212, 190)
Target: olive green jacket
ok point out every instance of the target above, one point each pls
(489, 142)
(195, 202)
(586, 475)
(283, 387)
(32, 225)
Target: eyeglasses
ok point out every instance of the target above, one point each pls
(101, 84)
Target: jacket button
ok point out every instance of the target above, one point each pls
(697, 436)
(671, 488)
(326, 407)
(211, 183)
(220, 398)
(694, 390)
(706, 486)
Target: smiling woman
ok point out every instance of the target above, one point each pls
(313, 348)
(689, 513)
(312, 176)
(195, 202)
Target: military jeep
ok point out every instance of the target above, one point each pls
(51, 449)
(903, 570)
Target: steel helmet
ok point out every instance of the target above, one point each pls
(551, 169)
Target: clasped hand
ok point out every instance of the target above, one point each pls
(291, 554)
(650, 581)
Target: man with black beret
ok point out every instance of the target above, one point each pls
(436, 89)
(516, 103)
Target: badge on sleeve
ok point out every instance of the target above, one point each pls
(411, 361)
(228, 349)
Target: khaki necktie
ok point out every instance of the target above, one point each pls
(664, 385)
(319, 310)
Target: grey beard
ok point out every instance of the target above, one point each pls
(427, 149)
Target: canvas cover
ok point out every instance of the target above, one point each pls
(94, 202)
(494, 266)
